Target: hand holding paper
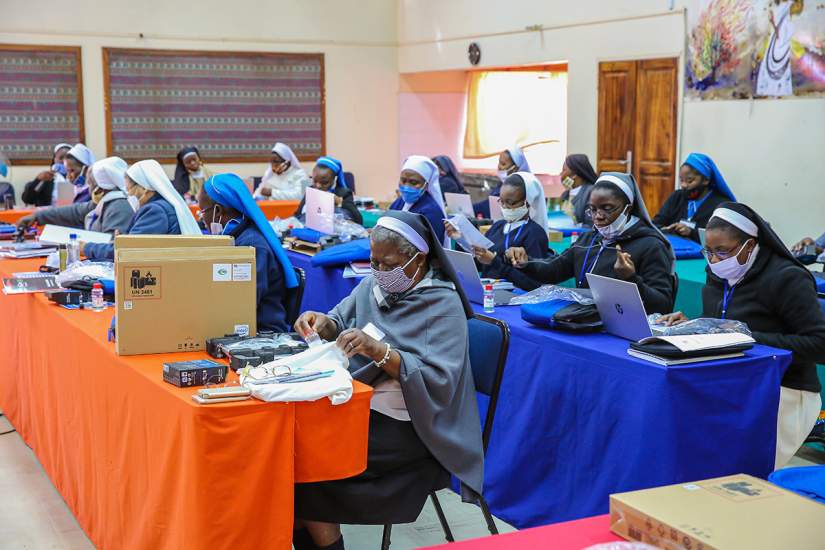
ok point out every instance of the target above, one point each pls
(470, 236)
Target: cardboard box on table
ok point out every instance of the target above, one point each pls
(734, 512)
(171, 241)
(173, 299)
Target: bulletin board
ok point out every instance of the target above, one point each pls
(41, 101)
(233, 106)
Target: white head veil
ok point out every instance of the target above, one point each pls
(519, 159)
(285, 152)
(150, 175)
(428, 170)
(109, 172)
(82, 153)
(535, 198)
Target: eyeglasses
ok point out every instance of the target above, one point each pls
(606, 210)
(722, 254)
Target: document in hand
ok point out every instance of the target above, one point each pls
(470, 236)
(58, 234)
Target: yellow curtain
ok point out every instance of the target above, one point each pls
(514, 107)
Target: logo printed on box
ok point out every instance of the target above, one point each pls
(221, 272)
(144, 282)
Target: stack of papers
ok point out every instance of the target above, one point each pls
(26, 250)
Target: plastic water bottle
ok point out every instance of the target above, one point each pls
(97, 297)
(489, 299)
(74, 250)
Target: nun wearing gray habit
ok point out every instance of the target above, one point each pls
(425, 423)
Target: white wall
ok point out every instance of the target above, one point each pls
(771, 151)
(357, 37)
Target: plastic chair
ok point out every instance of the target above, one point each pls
(294, 297)
(489, 344)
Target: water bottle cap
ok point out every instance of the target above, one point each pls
(97, 285)
(488, 287)
(72, 235)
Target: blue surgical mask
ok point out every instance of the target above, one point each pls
(58, 168)
(80, 180)
(4, 169)
(410, 194)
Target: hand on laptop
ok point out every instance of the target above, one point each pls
(671, 319)
(517, 256)
(624, 266)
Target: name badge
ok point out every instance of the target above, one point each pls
(690, 224)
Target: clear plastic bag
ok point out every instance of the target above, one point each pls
(703, 325)
(348, 230)
(553, 292)
(86, 271)
(263, 343)
(282, 226)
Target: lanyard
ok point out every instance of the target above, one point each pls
(727, 296)
(586, 256)
(693, 206)
(507, 237)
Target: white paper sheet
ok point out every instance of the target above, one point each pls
(470, 236)
(320, 210)
(58, 234)
(459, 203)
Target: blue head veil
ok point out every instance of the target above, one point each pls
(705, 166)
(337, 169)
(230, 190)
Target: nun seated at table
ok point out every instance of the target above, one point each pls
(420, 192)
(109, 210)
(577, 177)
(753, 278)
(228, 208)
(448, 177)
(524, 225)
(702, 189)
(328, 176)
(624, 245)
(284, 179)
(78, 161)
(510, 161)
(424, 420)
(161, 209)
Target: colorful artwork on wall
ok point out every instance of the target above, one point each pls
(741, 49)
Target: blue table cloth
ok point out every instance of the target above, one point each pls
(579, 419)
(325, 286)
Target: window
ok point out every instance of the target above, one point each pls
(527, 107)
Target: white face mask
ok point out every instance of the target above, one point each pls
(503, 174)
(215, 228)
(514, 214)
(134, 202)
(611, 232)
(568, 182)
(730, 269)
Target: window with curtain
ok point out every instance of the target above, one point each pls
(527, 107)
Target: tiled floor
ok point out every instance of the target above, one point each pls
(33, 516)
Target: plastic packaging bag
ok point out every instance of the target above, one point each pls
(348, 230)
(282, 226)
(86, 271)
(264, 343)
(703, 325)
(553, 292)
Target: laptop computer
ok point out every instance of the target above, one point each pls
(620, 307)
(465, 267)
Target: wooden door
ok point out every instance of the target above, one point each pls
(645, 102)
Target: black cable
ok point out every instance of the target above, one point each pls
(8, 432)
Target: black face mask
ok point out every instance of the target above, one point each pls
(696, 192)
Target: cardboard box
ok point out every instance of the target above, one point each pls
(734, 512)
(173, 299)
(171, 241)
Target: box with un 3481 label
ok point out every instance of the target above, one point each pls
(173, 299)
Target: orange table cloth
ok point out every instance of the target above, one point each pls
(13, 216)
(271, 209)
(139, 463)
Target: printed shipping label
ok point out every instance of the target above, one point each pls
(241, 272)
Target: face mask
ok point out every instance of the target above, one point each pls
(4, 169)
(612, 231)
(215, 228)
(514, 214)
(568, 182)
(410, 194)
(731, 269)
(58, 168)
(502, 174)
(695, 193)
(395, 280)
(97, 196)
(80, 180)
(134, 202)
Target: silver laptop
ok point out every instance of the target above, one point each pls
(465, 267)
(620, 307)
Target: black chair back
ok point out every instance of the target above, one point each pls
(489, 341)
(294, 297)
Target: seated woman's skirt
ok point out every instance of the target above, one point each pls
(400, 474)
